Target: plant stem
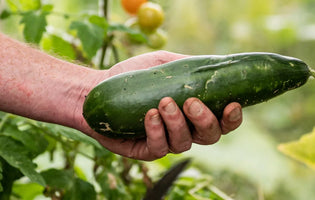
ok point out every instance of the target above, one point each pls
(105, 9)
(108, 42)
(104, 13)
(115, 53)
(104, 48)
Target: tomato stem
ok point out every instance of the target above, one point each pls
(104, 13)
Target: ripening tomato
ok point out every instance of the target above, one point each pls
(150, 16)
(157, 39)
(132, 6)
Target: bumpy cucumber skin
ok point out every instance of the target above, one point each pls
(117, 106)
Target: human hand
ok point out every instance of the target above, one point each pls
(41, 87)
(166, 127)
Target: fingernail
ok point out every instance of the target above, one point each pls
(155, 119)
(195, 108)
(235, 115)
(170, 108)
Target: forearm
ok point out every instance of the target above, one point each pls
(41, 87)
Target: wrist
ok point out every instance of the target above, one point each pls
(41, 87)
(83, 83)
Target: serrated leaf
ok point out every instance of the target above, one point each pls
(23, 5)
(74, 188)
(34, 26)
(16, 155)
(27, 191)
(58, 179)
(302, 150)
(22, 130)
(71, 134)
(80, 190)
(56, 44)
(90, 35)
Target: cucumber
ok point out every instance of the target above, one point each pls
(117, 106)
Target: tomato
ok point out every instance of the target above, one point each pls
(132, 6)
(150, 16)
(157, 39)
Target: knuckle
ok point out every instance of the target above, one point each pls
(206, 139)
(214, 139)
(161, 153)
(181, 148)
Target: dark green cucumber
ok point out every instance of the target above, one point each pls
(117, 106)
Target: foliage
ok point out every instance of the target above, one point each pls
(96, 37)
(22, 140)
(302, 150)
(92, 31)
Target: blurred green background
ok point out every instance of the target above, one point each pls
(245, 164)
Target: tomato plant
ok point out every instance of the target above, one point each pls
(22, 140)
(149, 18)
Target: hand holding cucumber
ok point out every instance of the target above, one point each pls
(166, 127)
(41, 87)
(149, 105)
(118, 106)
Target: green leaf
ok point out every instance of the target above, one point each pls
(58, 179)
(80, 173)
(80, 190)
(23, 5)
(16, 155)
(10, 175)
(34, 26)
(74, 188)
(19, 129)
(302, 150)
(27, 191)
(56, 44)
(24, 130)
(71, 134)
(135, 35)
(47, 7)
(90, 35)
(5, 14)
(99, 21)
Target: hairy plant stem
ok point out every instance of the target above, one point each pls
(108, 41)
(104, 4)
